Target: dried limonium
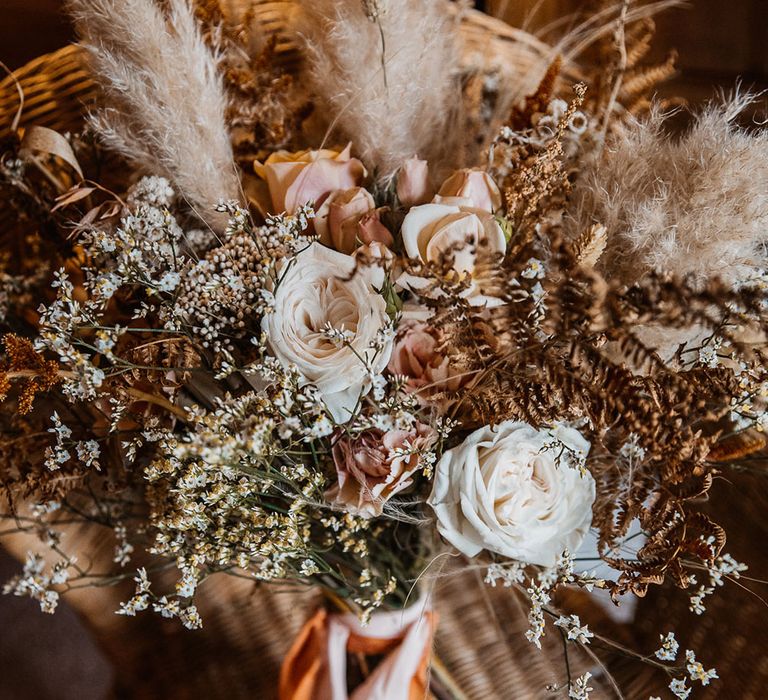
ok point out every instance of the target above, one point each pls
(224, 294)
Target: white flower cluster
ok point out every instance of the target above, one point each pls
(59, 324)
(35, 583)
(512, 574)
(165, 606)
(580, 688)
(59, 454)
(509, 574)
(749, 409)
(696, 671)
(725, 566)
(539, 597)
(223, 295)
(574, 630)
(669, 647)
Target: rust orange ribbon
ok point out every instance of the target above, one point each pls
(316, 665)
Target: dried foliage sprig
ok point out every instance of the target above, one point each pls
(260, 114)
(568, 344)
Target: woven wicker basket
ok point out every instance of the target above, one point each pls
(247, 629)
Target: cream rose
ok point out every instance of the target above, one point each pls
(516, 491)
(295, 179)
(322, 287)
(432, 231)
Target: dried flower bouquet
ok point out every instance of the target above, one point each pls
(519, 333)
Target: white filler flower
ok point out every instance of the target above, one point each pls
(516, 491)
(321, 292)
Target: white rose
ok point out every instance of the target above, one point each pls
(431, 231)
(323, 287)
(515, 491)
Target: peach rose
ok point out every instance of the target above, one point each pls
(295, 179)
(374, 466)
(413, 183)
(472, 184)
(347, 216)
(415, 356)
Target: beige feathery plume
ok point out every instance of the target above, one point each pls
(694, 205)
(385, 72)
(165, 102)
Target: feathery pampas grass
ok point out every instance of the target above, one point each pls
(696, 205)
(386, 73)
(165, 99)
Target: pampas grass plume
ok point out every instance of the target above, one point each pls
(165, 100)
(695, 205)
(391, 111)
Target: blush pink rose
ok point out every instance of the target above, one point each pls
(415, 356)
(475, 185)
(370, 470)
(295, 179)
(371, 230)
(413, 185)
(349, 216)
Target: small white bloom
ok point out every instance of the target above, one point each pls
(186, 585)
(576, 632)
(88, 453)
(534, 269)
(169, 281)
(696, 671)
(679, 688)
(580, 688)
(190, 618)
(669, 647)
(309, 567)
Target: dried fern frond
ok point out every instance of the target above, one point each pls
(565, 348)
(624, 82)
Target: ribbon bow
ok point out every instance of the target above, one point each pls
(316, 665)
